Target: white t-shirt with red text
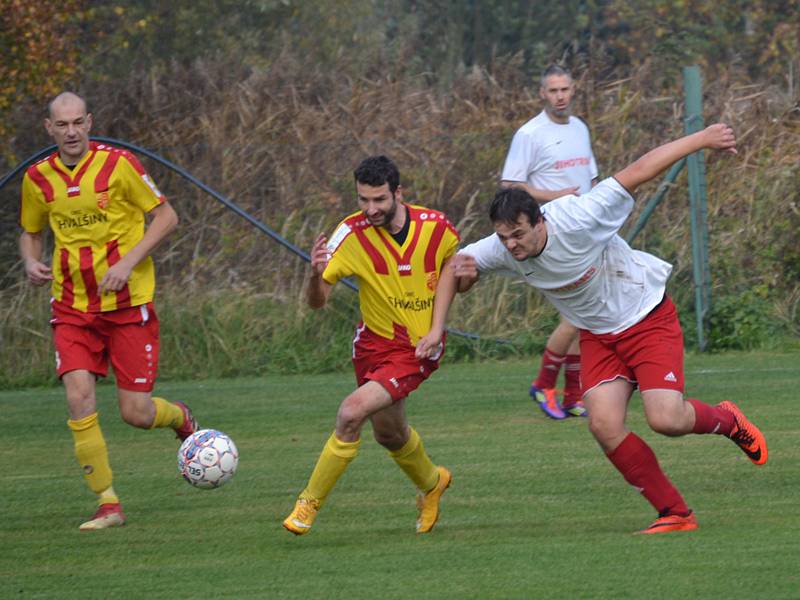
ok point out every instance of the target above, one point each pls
(588, 272)
(551, 156)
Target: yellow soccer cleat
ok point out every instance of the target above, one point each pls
(428, 504)
(108, 515)
(302, 517)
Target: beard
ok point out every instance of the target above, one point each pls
(387, 216)
(561, 113)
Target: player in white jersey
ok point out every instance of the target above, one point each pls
(630, 334)
(551, 157)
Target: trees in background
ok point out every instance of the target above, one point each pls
(40, 52)
(272, 101)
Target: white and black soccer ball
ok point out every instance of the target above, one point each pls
(208, 459)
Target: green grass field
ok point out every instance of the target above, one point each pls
(535, 510)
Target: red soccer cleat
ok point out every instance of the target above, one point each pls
(108, 515)
(189, 422)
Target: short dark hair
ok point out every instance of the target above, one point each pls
(377, 170)
(510, 203)
(553, 70)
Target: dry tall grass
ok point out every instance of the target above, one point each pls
(282, 142)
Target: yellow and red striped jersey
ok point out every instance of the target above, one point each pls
(397, 284)
(96, 212)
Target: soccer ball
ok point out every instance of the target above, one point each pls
(208, 459)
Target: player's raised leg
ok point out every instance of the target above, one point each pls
(134, 346)
(695, 416)
(141, 409)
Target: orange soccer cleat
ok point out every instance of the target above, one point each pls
(746, 435)
(669, 523)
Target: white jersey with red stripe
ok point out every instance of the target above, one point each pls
(588, 272)
(551, 156)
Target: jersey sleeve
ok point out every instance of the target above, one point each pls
(141, 189)
(339, 263)
(488, 254)
(521, 158)
(451, 240)
(601, 212)
(32, 211)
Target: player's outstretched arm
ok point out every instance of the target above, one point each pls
(466, 271)
(318, 289)
(718, 137)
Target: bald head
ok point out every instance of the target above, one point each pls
(66, 99)
(68, 123)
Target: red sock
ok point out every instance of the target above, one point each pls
(548, 372)
(710, 419)
(639, 466)
(572, 379)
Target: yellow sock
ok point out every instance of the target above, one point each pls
(333, 461)
(416, 463)
(167, 414)
(92, 453)
(108, 496)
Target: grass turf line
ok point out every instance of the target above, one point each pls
(535, 510)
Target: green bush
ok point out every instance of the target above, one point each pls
(741, 322)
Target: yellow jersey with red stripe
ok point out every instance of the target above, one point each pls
(96, 212)
(397, 284)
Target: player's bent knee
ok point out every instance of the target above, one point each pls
(665, 425)
(351, 416)
(391, 440)
(136, 418)
(604, 429)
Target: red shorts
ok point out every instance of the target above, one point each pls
(127, 337)
(390, 362)
(648, 354)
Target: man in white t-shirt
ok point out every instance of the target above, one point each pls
(551, 157)
(630, 334)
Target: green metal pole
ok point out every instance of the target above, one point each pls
(693, 97)
(656, 199)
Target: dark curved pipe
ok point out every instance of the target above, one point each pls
(217, 196)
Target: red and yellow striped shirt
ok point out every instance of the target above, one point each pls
(397, 284)
(96, 212)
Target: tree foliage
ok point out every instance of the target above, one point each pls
(40, 51)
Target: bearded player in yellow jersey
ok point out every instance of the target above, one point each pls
(94, 198)
(396, 251)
